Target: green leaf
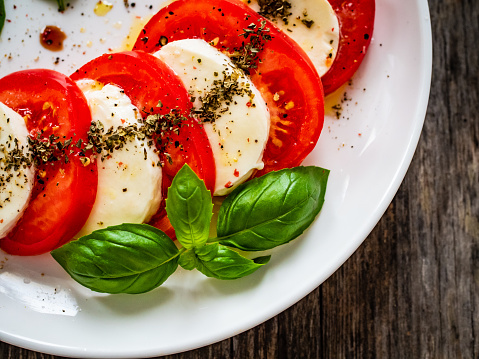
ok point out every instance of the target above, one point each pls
(2, 15)
(273, 209)
(218, 261)
(187, 260)
(189, 208)
(129, 258)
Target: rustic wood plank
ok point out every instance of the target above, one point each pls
(412, 289)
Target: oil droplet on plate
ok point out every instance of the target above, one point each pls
(52, 37)
(102, 8)
(137, 25)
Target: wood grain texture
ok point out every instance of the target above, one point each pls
(412, 289)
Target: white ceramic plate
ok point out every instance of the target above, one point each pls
(368, 151)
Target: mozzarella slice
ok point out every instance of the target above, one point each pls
(15, 184)
(129, 182)
(240, 131)
(314, 26)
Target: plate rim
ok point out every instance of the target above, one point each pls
(420, 115)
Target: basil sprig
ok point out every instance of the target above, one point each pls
(260, 214)
(61, 5)
(190, 208)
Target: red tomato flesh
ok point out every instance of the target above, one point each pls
(284, 75)
(356, 23)
(64, 193)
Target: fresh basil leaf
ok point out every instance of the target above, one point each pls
(189, 208)
(187, 260)
(218, 261)
(273, 209)
(2, 15)
(129, 258)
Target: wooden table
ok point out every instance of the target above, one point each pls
(412, 289)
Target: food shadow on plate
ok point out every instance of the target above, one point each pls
(129, 304)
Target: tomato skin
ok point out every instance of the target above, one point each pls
(297, 116)
(356, 24)
(58, 208)
(148, 81)
(145, 79)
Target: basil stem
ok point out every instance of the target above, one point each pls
(61, 5)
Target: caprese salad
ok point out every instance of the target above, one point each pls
(233, 89)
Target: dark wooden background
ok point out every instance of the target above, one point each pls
(412, 289)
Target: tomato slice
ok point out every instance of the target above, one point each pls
(181, 148)
(64, 193)
(153, 87)
(356, 23)
(284, 74)
(149, 83)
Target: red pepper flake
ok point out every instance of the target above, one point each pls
(229, 184)
(123, 121)
(248, 104)
(236, 173)
(1, 220)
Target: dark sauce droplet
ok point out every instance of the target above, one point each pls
(52, 38)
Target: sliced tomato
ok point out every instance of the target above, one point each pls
(284, 74)
(64, 193)
(153, 87)
(356, 23)
(182, 148)
(149, 83)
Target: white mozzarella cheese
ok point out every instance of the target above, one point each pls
(15, 184)
(129, 182)
(314, 26)
(240, 131)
